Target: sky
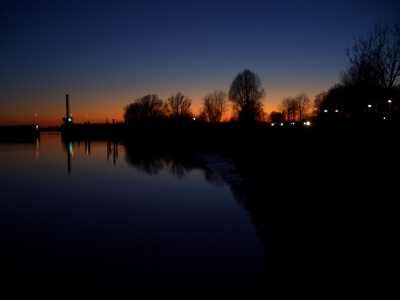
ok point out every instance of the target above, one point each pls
(106, 54)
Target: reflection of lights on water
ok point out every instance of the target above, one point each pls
(37, 147)
(70, 149)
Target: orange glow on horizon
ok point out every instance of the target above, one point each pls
(99, 110)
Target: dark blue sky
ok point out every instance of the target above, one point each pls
(105, 54)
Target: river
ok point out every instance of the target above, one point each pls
(108, 218)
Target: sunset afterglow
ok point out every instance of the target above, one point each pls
(105, 55)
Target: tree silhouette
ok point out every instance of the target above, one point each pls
(341, 101)
(179, 107)
(276, 116)
(303, 104)
(215, 105)
(373, 73)
(375, 59)
(288, 108)
(246, 94)
(147, 108)
(318, 102)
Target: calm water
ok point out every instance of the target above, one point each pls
(105, 217)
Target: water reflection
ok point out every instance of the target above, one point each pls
(148, 225)
(68, 147)
(177, 164)
(112, 148)
(37, 148)
(87, 147)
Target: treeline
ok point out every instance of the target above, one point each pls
(245, 95)
(292, 109)
(152, 108)
(368, 91)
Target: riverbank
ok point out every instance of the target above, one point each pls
(323, 203)
(268, 280)
(323, 200)
(19, 132)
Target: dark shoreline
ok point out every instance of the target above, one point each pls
(323, 199)
(22, 132)
(323, 202)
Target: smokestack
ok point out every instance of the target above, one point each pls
(67, 104)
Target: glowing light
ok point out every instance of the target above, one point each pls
(325, 110)
(71, 149)
(272, 124)
(390, 101)
(281, 124)
(336, 110)
(369, 105)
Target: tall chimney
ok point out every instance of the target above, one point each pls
(67, 104)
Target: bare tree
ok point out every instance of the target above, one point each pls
(276, 116)
(246, 94)
(375, 58)
(147, 108)
(288, 107)
(318, 102)
(303, 104)
(179, 107)
(215, 105)
(202, 117)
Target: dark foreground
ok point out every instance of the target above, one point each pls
(323, 200)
